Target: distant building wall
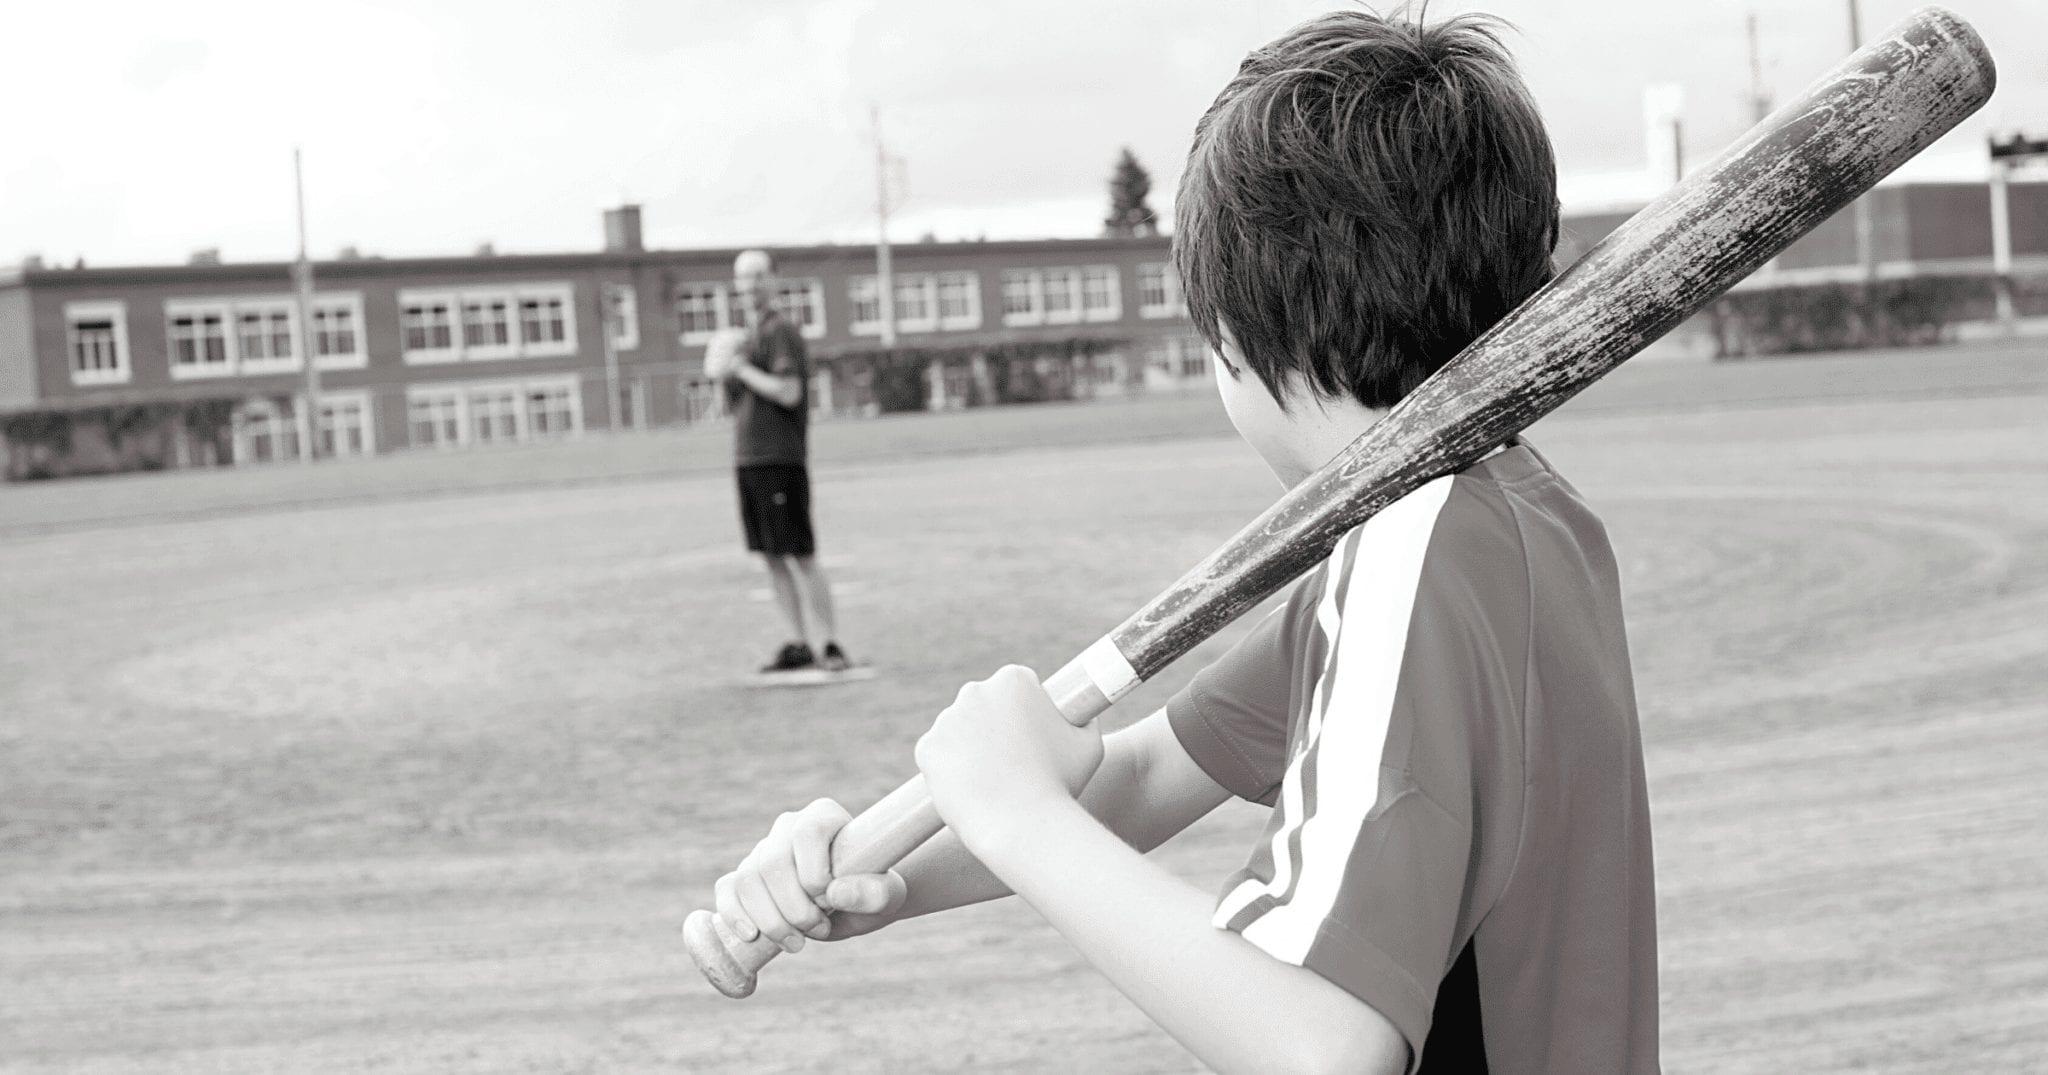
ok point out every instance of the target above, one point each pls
(415, 371)
(17, 349)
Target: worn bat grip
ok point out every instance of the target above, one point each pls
(886, 832)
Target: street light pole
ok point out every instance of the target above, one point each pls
(608, 317)
(2006, 157)
(302, 271)
(885, 285)
(1866, 245)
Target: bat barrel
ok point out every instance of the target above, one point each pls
(1882, 105)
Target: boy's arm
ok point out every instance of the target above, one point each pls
(1146, 790)
(1001, 766)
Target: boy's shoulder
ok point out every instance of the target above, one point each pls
(1468, 559)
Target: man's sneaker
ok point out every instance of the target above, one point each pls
(795, 655)
(835, 659)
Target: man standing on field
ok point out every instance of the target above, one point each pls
(766, 385)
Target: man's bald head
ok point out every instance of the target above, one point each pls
(753, 274)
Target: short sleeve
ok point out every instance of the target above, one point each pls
(1233, 717)
(1376, 871)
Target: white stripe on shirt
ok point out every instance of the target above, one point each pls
(1291, 805)
(1345, 750)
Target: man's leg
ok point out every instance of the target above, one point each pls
(817, 593)
(787, 597)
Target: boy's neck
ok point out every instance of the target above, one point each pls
(1320, 430)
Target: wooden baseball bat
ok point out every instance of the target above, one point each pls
(1796, 168)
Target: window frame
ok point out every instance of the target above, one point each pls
(1169, 304)
(429, 355)
(813, 289)
(720, 311)
(115, 312)
(1071, 277)
(456, 402)
(1033, 285)
(563, 293)
(351, 303)
(1112, 279)
(176, 309)
(970, 282)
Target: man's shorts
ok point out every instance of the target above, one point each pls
(775, 509)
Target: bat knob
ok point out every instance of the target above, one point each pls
(727, 962)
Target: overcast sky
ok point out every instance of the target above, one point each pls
(139, 132)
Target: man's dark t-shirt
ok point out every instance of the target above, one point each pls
(766, 432)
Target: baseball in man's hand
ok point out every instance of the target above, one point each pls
(722, 353)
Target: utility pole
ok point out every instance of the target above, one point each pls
(309, 445)
(885, 283)
(2006, 157)
(608, 317)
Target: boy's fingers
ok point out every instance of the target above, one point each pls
(798, 907)
(761, 907)
(867, 893)
(726, 901)
(811, 848)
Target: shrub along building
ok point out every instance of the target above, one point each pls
(201, 364)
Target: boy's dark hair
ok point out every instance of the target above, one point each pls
(1364, 199)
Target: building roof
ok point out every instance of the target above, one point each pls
(718, 257)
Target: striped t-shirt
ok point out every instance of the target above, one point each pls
(1443, 719)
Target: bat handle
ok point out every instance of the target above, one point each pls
(890, 829)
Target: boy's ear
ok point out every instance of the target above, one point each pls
(1230, 354)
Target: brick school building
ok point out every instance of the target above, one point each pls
(200, 364)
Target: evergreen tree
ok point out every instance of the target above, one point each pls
(1129, 185)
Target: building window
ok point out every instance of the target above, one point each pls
(701, 310)
(1158, 291)
(494, 415)
(866, 298)
(543, 320)
(428, 327)
(266, 431)
(259, 334)
(1023, 301)
(803, 302)
(338, 331)
(345, 425)
(915, 303)
(436, 419)
(525, 322)
(494, 412)
(199, 341)
(959, 300)
(623, 313)
(269, 430)
(1062, 301)
(1194, 357)
(265, 336)
(1101, 293)
(98, 342)
(486, 323)
(550, 410)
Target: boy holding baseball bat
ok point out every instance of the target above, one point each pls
(1456, 874)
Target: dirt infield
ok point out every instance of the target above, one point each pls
(423, 782)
